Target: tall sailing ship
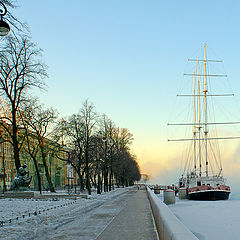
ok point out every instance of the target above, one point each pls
(201, 182)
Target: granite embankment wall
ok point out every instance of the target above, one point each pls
(169, 227)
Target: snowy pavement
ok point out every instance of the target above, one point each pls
(209, 220)
(82, 219)
(134, 222)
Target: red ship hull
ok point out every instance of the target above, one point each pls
(207, 193)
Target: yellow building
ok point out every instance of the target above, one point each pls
(58, 169)
(7, 164)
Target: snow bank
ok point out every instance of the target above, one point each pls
(16, 210)
(60, 218)
(168, 226)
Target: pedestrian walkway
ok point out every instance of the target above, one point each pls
(134, 222)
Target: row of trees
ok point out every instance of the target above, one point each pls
(98, 150)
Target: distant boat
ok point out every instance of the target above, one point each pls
(201, 183)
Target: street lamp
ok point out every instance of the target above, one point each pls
(4, 27)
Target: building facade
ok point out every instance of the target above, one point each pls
(59, 170)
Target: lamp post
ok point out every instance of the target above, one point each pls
(4, 27)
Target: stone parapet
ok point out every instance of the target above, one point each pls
(169, 227)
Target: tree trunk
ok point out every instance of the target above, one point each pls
(49, 180)
(122, 181)
(99, 190)
(110, 181)
(33, 156)
(106, 180)
(38, 175)
(118, 182)
(94, 180)
(15, 140)
(102, 181)
(81, 182)
(79, 178)
(111, 184)
(4, 170)
(88, 184)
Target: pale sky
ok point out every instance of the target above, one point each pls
(128, 58)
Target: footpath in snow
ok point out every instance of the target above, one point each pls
(83, 219)
(209, 220)
(134, 222)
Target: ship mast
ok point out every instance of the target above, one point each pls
(194, 121)
(199, 121)
(205, 103)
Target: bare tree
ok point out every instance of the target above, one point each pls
(127, 170)
(21, 69)
(78, 132)
(125, 138)
(121, 156)
(74, 132)
(89, 119)
(31, 145)
(37, 124)
(97, 154)
(108, 133)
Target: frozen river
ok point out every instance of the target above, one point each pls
(213, 220)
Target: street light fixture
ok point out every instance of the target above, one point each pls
(4, 27)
